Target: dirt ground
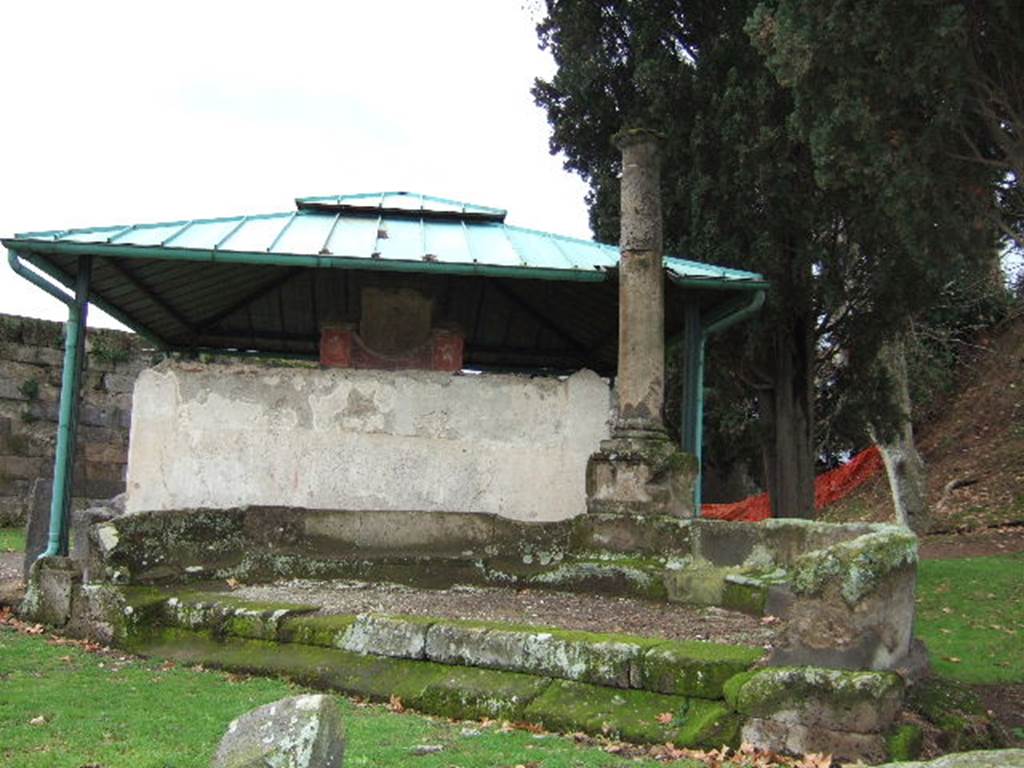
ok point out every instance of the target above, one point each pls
(591, 613)
(1005, 540)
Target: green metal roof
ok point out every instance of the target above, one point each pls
(434, 234)
(268, 281)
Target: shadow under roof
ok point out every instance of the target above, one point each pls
(268, 282)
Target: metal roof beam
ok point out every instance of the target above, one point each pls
(544, 320)
(204, 325)
(149, 293)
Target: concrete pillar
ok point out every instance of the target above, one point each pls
(640, 382)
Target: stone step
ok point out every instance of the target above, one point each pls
(459, 692)
(686, 668)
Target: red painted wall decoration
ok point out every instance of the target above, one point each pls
(343, 348)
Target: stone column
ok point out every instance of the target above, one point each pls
(640, 471)
(640, 382)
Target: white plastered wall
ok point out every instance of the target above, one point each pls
(220, 436)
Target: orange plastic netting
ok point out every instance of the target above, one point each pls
(829, 487)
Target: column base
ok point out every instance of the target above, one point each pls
(641, 474)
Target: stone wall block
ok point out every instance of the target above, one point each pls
(119, 383)
(44, 356)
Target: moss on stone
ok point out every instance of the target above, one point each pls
(744, 597)
(779, 689)
(467, 693)
(857, 567)
(904, 742)
(324, 631)
(633, 715)
(694, 668)
(369, 676)
(731, 687)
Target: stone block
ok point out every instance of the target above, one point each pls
(474, 694)
(119, 383)
(324, 631)
(387, 636)
(25, 467)
(724, 544)
(857, 702)
(801, 739)
(696, 585)
(693, 668)
(299, 732)
(38, 528)
(634, 476)
(634, 715)
(52, 584)
(32, 355)
(994, 758)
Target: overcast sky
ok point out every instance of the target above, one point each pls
(132, 112)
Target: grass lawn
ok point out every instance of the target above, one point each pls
(107, 710)
(971, 616)
(12, 539)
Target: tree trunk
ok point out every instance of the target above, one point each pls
(788, 440)
(903, 464)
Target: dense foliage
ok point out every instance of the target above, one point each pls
(822, 144)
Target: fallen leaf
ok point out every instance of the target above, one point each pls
(664, 718)
(395, 704)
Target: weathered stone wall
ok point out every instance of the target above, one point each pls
(229, 435)
(31, 362)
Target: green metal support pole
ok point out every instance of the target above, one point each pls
(690, 368)
(71, 377)
(717, 321)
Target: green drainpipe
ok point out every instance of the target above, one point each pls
(718, 321)
(74, 343)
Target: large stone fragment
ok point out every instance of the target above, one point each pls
(859, 702)
(299, 732)
(997, 758)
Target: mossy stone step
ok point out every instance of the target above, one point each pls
(686, 668)
(459, 692)
(638, 716)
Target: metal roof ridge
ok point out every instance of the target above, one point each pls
(465, 205)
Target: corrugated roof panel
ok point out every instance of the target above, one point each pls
(99, 235)
(255, 235)
(400, 239)
(200, 234)
(147, 234)
(304, 234)
(447, 242)
(539, 252)
(489, 245)
(353, 236)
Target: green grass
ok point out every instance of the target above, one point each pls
(115, 711)
(970, 613)
(12, 539)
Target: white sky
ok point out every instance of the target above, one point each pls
(132, 112)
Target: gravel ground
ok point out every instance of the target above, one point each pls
(592, 613)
